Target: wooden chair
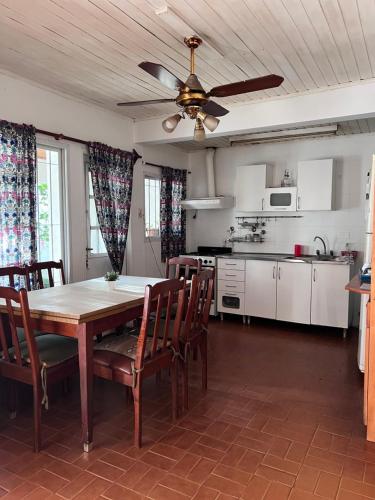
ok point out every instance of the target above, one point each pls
(130, 359)
(36, 361)
(17, 277)
(188, 265)
(195, 327)
(36, 270)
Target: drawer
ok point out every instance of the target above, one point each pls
(231, 286)
(231, 302)
(237, 264)
(231, 275)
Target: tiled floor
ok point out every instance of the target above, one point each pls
(281, 419)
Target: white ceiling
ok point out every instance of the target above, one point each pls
(91, 48)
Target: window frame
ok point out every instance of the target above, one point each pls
(90, 254)
(64, 233)
(149, 175)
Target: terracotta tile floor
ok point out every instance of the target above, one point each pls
(281, 419)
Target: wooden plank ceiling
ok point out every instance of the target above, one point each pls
(91, 48)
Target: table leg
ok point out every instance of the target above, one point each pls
(85, 353)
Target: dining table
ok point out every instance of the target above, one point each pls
(83, 310)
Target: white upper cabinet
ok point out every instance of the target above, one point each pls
(314, 185)
(330, 300)
(251, 182)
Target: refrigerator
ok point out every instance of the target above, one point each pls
(370, 187)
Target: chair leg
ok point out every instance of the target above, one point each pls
(203, 351)
(12, 399)
(137, 396)
(158, 377)
(37, 418)
(185, 382)
(128, 393)
(174, 384)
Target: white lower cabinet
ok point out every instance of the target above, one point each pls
(260, 288)
(293, 292)
(329, 299)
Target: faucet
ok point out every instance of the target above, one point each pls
(324, 245)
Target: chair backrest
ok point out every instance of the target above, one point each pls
(15, 277)
(157, 316)
(12, 355)
(198, 309)
(36, 271)
(186, 264)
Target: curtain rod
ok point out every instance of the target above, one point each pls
(160, 166)
(73, 139)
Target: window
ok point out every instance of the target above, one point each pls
(50, 213)
(95, 239)
(152, 207)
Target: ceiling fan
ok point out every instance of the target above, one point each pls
(193, 100)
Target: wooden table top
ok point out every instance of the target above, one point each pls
(354, 286)
(87, 300)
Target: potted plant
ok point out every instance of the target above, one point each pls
(111, 277)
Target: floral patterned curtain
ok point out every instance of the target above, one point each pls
(172, 215)
(112, 180)
(17, 194)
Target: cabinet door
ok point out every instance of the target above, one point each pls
(314, 185)
(293, 292)
(329, 299)
(251, 181)
(260, 288)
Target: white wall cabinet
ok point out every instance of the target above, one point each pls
(293, 292)
(260, 288)
(250, 184)
(329, 299)
(314, 185)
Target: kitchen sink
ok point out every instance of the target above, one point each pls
(295, 259)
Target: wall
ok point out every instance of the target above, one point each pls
(352, 155)
(25, 102)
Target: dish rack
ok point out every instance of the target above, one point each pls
(248, 238)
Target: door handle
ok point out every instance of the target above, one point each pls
(279, 272)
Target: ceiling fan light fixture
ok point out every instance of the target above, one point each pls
(169, 124)
(211, 122)
(199, 133)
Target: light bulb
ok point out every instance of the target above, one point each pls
(171, 123)
(199, 134)
(211, 122)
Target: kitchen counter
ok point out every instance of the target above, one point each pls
(281, 257)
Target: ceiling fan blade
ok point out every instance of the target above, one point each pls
(162, 74)
(214, 109)
(261, 83)
(142, 103)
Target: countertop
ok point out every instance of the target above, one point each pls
(281, 257)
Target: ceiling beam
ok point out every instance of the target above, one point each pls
(342, 103)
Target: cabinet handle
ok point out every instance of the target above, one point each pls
(227, 264)
(279, 272)
(230, 286)
(231, 275)
(314, 274)
(262, 203)
(298, 202)
(229, 293)
(274, 272)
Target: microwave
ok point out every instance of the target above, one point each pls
(280, 199)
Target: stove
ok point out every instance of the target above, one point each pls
(208, 256)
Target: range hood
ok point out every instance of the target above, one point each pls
(211, 201)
